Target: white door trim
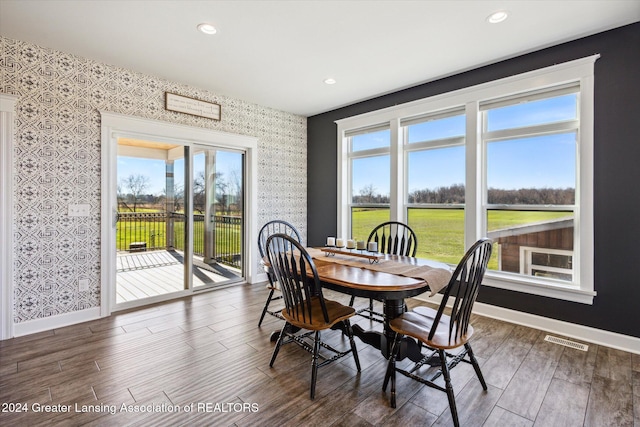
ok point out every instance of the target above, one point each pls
(7, 124)
(114, 125)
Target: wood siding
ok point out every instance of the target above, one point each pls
(553, 239)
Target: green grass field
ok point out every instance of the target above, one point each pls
(440, 232)
(228, 237)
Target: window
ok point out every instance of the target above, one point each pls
(542, 262)
(434, 150)
(530, 145)
(369, 165)
(510, 159)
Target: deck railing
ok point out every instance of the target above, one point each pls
(137, 231)
(135, 228)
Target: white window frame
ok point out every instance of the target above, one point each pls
(433, 144)
(363, 154)
(580, 71)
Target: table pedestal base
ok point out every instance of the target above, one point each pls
(383, 341)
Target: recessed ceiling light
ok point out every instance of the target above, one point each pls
(330, 81)
(207, 28)
(498, 16)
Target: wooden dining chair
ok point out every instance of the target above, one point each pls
(273, 227)
(394, 238)
(306, 310)
(440, 332)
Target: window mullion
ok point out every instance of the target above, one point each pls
(438, 143)
(474, 209)
(344, 185)
(546, 129)
(396, 199)
(369, 153)
(515, 207)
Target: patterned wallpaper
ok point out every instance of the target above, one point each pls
(57, 163)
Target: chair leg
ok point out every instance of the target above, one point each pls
(370, 307)
(354, 350)
(393, 378)
(449, 388)
(476, 367)
(353, 298)
(266, 306)
(314, 363)
(391, 371)
(283, 332)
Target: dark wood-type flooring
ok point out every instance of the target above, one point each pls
(207, 354)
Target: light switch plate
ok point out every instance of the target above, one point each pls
(79, 210)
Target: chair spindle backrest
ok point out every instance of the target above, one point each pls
(394, 238)
(463, 287)
(296, 272)
(273, 227)
(270, 228)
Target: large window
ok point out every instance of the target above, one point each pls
(369, 165)
(530, 145)
(510, 159)
(435, 176)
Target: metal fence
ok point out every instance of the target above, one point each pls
(139, 231)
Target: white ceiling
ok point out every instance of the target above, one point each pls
(277, 53)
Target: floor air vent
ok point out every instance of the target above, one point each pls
(566, 343)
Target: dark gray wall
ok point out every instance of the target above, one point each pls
(616, 308)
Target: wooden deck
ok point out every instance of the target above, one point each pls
(153, 273)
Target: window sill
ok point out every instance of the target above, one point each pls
(567, 293)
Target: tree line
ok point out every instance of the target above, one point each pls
(455, 194)
(132, 193)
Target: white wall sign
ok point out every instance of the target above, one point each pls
(195, 107)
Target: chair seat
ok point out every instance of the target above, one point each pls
(336, 311)
(417, 324)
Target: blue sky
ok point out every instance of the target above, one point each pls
(545, 161)
(226, 163)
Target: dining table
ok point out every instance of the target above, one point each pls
(386, 278)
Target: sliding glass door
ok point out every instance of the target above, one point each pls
(180, 220)
(218, 216)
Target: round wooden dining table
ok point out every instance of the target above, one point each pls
(390, 289)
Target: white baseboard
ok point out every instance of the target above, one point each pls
(572, 330)
(54, 322)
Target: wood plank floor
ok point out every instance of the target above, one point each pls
(205, 353)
